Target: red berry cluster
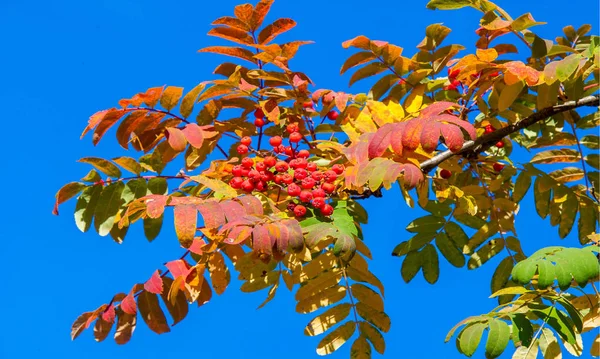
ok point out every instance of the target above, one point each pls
(489, 129)
(301, 179)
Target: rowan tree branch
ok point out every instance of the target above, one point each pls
(473, 148)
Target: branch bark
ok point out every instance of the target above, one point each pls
(473, 148)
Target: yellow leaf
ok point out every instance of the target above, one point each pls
(414, 101)
(170, 97)
(509, 94)
(334, 340)
(487, 55)
(221, 189)
(328, 319)
(322, 299)
(360, 349)
(595, 349)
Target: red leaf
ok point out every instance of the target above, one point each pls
(186, 218)
(176, 139)
(154, 284)
(453, 137)
(238, 235)
(178, 267)
(437, 107)
(381, 140)
(296, 238)
(233, 210)
(411, 137)
(212, 214)
(251, 204)
(197, 245)
(430, 136)
(457, 121)
(128, 304)
(155, 205)
(396, 138)
(196, 135)
(412, 175)
(261, 240)
(109, 314)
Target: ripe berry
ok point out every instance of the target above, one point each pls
(242, 149)
(261, 186)
(299, 211)
(305, 196)
(308, 104)
(317, 175)
(330, 176)
(293, 189)
(259, 113)
(236, 182)
(300, 174)
(500, 144)
(489, 129)
(318, 193)
(287, 178)
(247, 186)
(303, 154)
(327, 210)
(452, 74)
(318, 202)
(247, 162)
(301, 162)
(246, 140)
(260, 166)
(445, 174)
(266, 176)
(328, 187)
(333, 115)
(494, 74)
(270, 161)
(453, 86)
(278, 179)
(498, 166)
(291, 206)
(281, 166)
(279, 149)
(295, 137)
(338, 169)
(292, 127)
(308, 183)
(259, 122)
(254, 175)
(275, 141)
(288, 151)
(236, 170)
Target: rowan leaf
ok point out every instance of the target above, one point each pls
(564, 155)
(170, 97)
(360, 349)
(367, 296)
(373, 316)
(125, 326)
(328, 319)
(449, 250)
(151, 312)
(81, 323)
(231, 34)
(107, 207)
(279, 26)
(356, 59)
(129, 164)
(509, 94)
(498, 338)
(238, 52)
(154, 284)
(175, 301)
(186, 217)
(176, 139)
(334, 340)
(373, 335)
(322, 299)
(102, 165)
(469, 338)
(67, 192)
(219, 273)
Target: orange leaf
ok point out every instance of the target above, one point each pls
(125, 326)
(361, 42)
(259, 13)
(411, 137)
(107, 122)
(244, 12)
(67, 192)
(212, 214)
(271, 31)
(176, 139)
(453, 137)
(238, 52)
(430, 136)
(151, 96)
(231, 22)
(81, 323)
(95, 120)
(170, 97)
(357, 59)
(128, 125)
(154, 284)
(232, 34)
(186, 217)
(155, 204)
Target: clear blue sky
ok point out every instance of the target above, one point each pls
(63, 60)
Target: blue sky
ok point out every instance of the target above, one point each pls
(63, 60)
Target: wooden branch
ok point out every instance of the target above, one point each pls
(471, 149)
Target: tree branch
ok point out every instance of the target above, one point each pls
(473, 148)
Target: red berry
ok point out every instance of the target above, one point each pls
(328, 187)
(333, 115)
(498, 166)
(245, 172)
(330, 176)
(291, 206)
(279, 149)
(327, 210)
(308, 183)
(489, 129)
(311, 166)
(301, 162)
(237, 170)
(259, 113)
(299, 210)
(300, 174)
(317, 175)
(303, 154)
(293, 189)
(270, 161)
(281, 166)
(261, 186)
(259, 122)
(292, 127)
(278, 179)
(318, 202)
(452, 74)
(445, 174)
(494, 74)
(246, 140)
(260, 166)
(305, 196)
(275, 141)
(308, 104)
(247, 186)
(236, 182)
(318, 193)
(287, 178)
(242, 149)
(254, 175)
(295, 137)
(289, 151)
(500, 144)
(338, 169)
(266, 176)
(247, 162)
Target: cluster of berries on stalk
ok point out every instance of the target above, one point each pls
(302, 180)
(455, 83)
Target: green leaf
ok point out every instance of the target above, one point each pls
(431, 267)
(448, 4)
(86, 206)
(574, 314)
(558, 321)
(410, 266)
(158, 185)
(509, 94)
(452, 254)
(522, 329)
(107, 208)
(593, 159)
(485, 253)
(522, 185)
(591, 141)
(566, 66)
(501, 275)
(469, 338)
(334, 340)
(152, 227)
(102, 165)
(498, 338)
(426, 224)
(67, 192)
